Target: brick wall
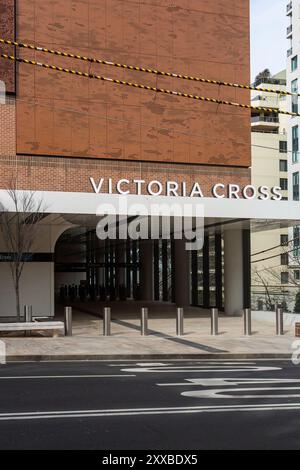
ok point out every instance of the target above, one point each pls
(8, 128)
(7, 31)
(60, 114)
(70, 175)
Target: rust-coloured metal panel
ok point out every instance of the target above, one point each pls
(60, 114)
(7, 31)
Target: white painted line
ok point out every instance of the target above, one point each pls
(153, 364)
(189, 369)
(25, 377)
(224, 393)
(222, 382)
(195, 363)
(142, 364)
(146, 411)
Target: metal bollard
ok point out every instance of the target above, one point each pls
(179, 322)
(68, 321)
(107, 321)
(279, 321)
(28, 313)
(28, 317)
(214, 321)
(144, 322)
(247, 322)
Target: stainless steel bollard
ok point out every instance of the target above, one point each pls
(68, 321)
(179, 322)
(107, 321)
(247, 322)
(28, 313)
(144, 322)
(214, 321)
(279, 321)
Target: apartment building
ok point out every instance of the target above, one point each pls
(270, 270)
(293, 131)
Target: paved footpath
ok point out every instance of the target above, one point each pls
(131, 405)
(148, 348)
(126, 341)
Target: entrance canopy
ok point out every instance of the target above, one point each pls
(78, 207)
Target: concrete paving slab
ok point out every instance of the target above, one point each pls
(126, 341)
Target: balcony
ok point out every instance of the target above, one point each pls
(265, 123)
(290, 52)
(266, 101)
(269, 81)
(289, 8)
(289, 31)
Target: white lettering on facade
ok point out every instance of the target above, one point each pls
(119, 186)
(249, 189)
(175, 189)
(139, 185)
(172, 188)
(196, 191)
(264, 194)
(215, 189)
(155, 188)
(233, 191)
(277, 196)
(97, 187)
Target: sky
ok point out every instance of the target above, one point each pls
(268, 35)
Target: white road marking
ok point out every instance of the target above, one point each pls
(187, 369)
(152, 364)
(219, 393)
(146, 364)
(234, 363)
(25, 377)
(145, 411)
(221, 382)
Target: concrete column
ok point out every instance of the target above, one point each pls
(146, 272)
(182, 274)
(234, 274)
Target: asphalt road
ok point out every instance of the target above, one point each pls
(175, 405)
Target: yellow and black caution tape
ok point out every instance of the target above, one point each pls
(143, 69)
(144, 87)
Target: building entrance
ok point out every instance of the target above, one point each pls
(89, 269)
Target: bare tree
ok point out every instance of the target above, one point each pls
(19, 225)
(260, 280)
(269, 278)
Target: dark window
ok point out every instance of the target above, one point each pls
(296, 186)
(283, 146)
(296, 236)
(283, 183)
(284, 259)
(294, 87)
(297, 275)
(284, 240)
(284, 198)
(283, 165)
(294, 63)
(295, 143)
(284, 278)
